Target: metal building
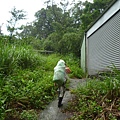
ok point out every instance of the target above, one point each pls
(101, 45)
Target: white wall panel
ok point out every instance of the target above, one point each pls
(103, 47)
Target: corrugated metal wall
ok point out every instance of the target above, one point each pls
(103, 47)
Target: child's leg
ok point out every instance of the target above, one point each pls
(61, 88)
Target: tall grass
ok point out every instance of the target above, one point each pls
(21, 78)
(27, 58)
(98, 100)
(13, 56)
(26, 79)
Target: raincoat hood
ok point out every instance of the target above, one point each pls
(61, 63)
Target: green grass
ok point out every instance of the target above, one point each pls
(26, 85)
(97, 100)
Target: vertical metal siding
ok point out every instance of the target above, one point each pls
(103, 47)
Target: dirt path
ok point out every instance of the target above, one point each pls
(52, 112)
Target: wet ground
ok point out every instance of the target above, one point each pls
(52, 112)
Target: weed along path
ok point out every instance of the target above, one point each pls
(52, 112)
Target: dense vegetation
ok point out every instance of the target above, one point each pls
(26, 85)
(96, 99)
(26, 75)
(57, 25)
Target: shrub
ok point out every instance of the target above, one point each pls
(7, 59)
(29, 115)
(27, 58)
(97, 99)
(26, 80)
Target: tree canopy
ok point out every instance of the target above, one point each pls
(60, 28)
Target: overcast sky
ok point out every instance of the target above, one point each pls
(30, 6)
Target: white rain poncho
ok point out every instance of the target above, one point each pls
(59, 73)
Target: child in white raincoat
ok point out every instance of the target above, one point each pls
(60, 78)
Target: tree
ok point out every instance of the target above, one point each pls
(27, 31)
(16, 16)
(92, 11)
(76, 12)
(52, 42)
(52, 19)
(45, 19)
(59, 27)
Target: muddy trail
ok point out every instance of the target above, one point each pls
(52, 112)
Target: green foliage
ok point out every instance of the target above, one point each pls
(74, 64)
(27, 58)
(12, 56)
(16, 16)
(26, 79)
(45, 19)
(71, 43)
(66, 44)
(26, 76)
(77, 72)
(52, 61)
(2, 109)
(28, 115)
(97, 99)
(59, 27)
(7, 59)
(92, 11)
(52, 42)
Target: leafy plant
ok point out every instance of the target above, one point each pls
(16, 16)
(29, 115)
(27, 58)
(97, 99)
(7, 59)
(26, 79)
